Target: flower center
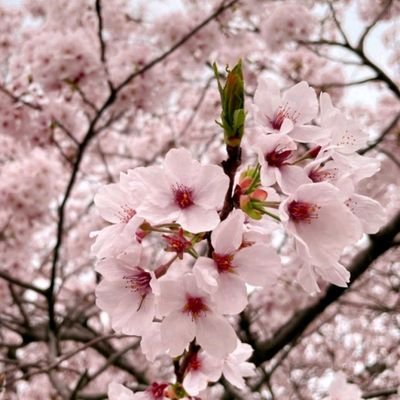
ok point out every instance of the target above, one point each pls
(300, 211)
(177, 243)
(223, 262)
(126, 213)
(281, 113)
(139, 281)
(195, 306)
(157, 390)
(277, 157)
(321, 175)
(183, 196)
(194, 363)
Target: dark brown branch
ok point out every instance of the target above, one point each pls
(78, 334)
(230, 167)
(295, 327)
(337, 23)
(102, 43)
(381, 393)
(17, 99)
(345, 84)
(385, 8)
(100, 32)
(385, 132)
(380, 74)
(17, 300)
(20, 283)
(178, 44)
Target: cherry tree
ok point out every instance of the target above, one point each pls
(199, 200)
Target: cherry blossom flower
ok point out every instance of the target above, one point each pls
(125, 293)
(225, 274)
(334, 273)
(236, 366)
(190, 313)
(184, 191)
(324, 169)
(345, 135)
(117, 204)
(370, 213)
(275, 153)
(287, 114)
(322, 225)
(202, 368)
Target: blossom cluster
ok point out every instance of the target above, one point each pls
(300, 177)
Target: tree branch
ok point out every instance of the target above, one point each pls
(295, 327)
(381, 393)
(385, 132)
(20, 283)
(385, 8)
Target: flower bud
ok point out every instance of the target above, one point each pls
(232, 100)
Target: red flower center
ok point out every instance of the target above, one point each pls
(300, 211)
(277, 157)
(223, 262)
(183, 196)
(281, 113)
(126, 213)
(139, 281)
(321, 175)
(195, 306)
(177, 243)
(157, 390)
(194, 363)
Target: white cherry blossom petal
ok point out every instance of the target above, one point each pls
(231, 295)
(258, 265)
(215, 335)
(228, 235)
(177, 331)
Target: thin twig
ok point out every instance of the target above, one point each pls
(20, 283)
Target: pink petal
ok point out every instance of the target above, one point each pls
(211, 186)
(116, 391)
(307, 279)
(290, 177)
(181, 167)
(194, 382)
(327, 235)
(206, 274)
(310, 134)
(177, 331)
(287, 126)
(258, 265)
(215, 335)
(172, 294)
(231, 295)
(336, 274)
(228, 235)
(267, 97)
(233, 375)
(196, 219)
(371, 214)
(302, 99)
